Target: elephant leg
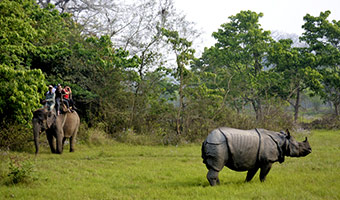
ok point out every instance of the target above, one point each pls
(72, 142)
(251, 173)
(212, 177)
(264, 171)
(73, 139)
(60, 143)
(51, 142)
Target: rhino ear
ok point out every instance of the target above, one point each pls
(288, 137)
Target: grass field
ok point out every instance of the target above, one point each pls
(120, 171)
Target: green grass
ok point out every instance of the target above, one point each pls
(120, 171)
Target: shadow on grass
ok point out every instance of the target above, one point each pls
(200, 182)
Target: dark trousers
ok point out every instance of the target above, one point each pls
(66, 102)
(57, 104)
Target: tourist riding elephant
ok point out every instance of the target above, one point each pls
(248, 150)
(57, 127)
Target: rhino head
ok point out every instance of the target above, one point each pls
(297, 149)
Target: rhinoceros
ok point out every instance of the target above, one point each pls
(248, 150)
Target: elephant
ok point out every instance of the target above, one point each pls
(248, 150)
(57, 127)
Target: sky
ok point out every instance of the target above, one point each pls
(279, 15)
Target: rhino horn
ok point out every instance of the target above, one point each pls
(306, 140)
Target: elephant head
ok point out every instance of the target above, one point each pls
(297, 149)
(42, 121)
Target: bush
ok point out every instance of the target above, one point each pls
(20, 93)
(16, 137)
(83, 135)
(276, 118)
(93, 136)
(20, 171)
(326, 122)
(131, 137)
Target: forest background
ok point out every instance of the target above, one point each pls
(133, 71)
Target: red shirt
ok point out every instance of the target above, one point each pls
(65, 94)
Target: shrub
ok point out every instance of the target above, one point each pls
(131, 137)
(20, 171)
(93, 136)
(326, 122)
(276, 118)
(83, 135)
(16, 137)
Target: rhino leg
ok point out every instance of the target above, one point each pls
(212, 177)
(251, 173)
(264, 171)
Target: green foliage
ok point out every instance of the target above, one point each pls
(155, 110)
(16, 33)
(322, 36)
(20, 171)
(15, 137)
(242, 41)
(28, 34)
(184, 54)
(296, 72)
(103, 76)
(237, 58)
(20, 92)
(296, 67)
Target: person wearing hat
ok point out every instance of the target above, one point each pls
(50, 98)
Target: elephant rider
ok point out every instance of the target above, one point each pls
(58, 97)
(67, 98)
(50, 98)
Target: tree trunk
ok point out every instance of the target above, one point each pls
(136, 96)
(257, 108)
(297, 105)
(179, 112)
(336, 108)
(134, 106)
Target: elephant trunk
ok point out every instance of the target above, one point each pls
(36, 133)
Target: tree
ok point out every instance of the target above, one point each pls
(295, 67)
(17, 33)
(240, 49)
(20, 94)
(184, 53)
(103, 77)
(322, 37)
(21, 87)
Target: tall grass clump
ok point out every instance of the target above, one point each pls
(20, 171)
(92, 136)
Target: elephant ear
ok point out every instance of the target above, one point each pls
(51, 117)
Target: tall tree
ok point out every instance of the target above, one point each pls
(295, 67)
(184, 53)
(21, 86)
(241, 47)
(323, 38)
